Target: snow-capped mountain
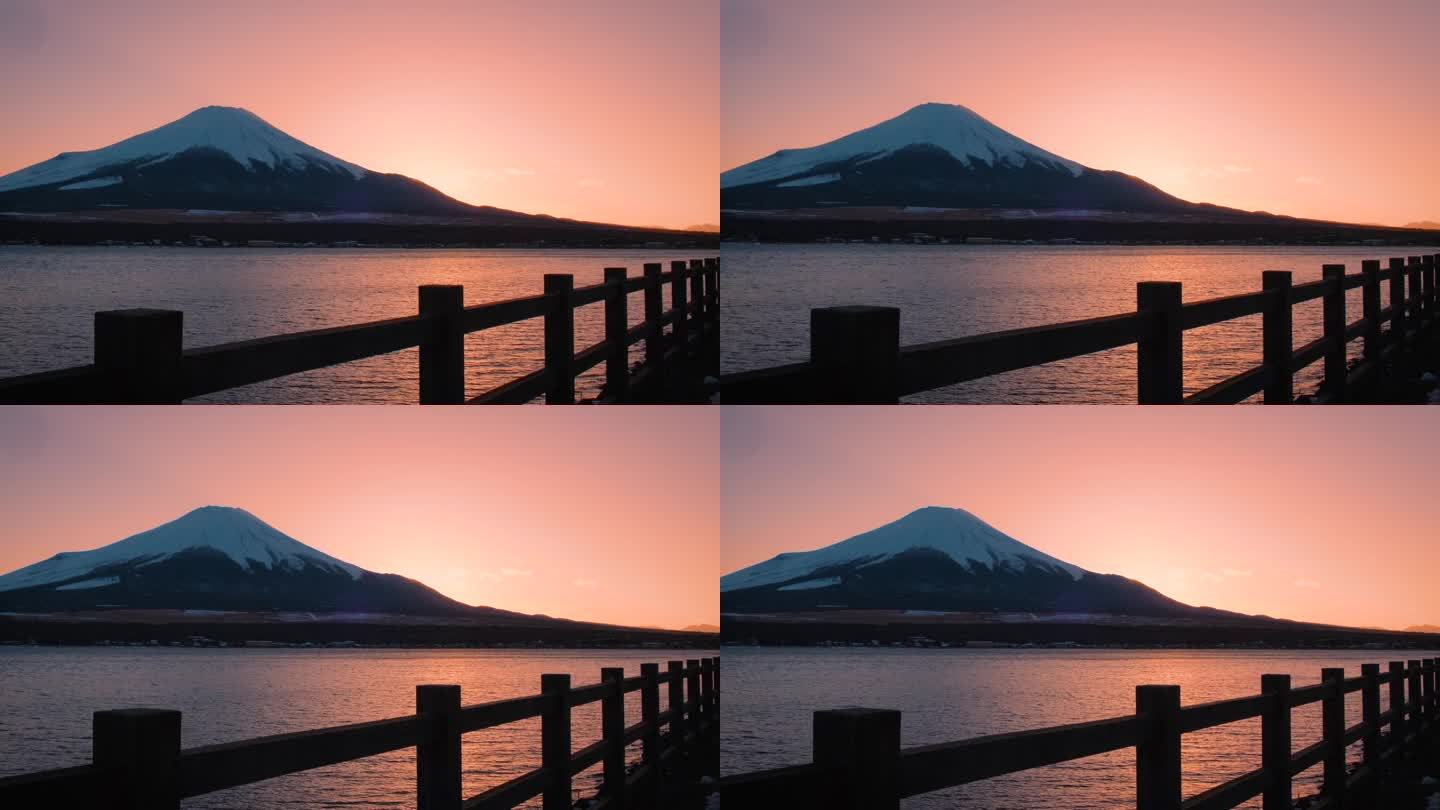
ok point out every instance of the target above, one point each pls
(934, 155)
(935, 558)
(218, 158)
(215, 558)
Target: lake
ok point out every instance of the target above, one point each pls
(48, 297)
(949, 291)
(233, 694)
(954, 694)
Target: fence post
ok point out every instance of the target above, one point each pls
(1332, 727)
(617, 327)
(1334, 319)
(712, 316)
(1370, 713)
(1160, 352)
(1427, 280)
(1275, 741)
(862, 747)
(676, 672)
(1427, 690)
(559, 340)
(855, 353)
(1276, 325)
(680, 329)
(692, 694)
(442, 355)
(1157, 757)
(697, 298)
(1417, 301)
(654, 310)
(1397, 299)
(437, 757)
(1370, 306)
(1397, 704)
(707, 690)
(555, 742)
(138, 354)
(139, 750)
(649, 714)
(1413, 672)
(612, 730)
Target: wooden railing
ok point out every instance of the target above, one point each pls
(138, 763)
(859, 764)
(856, 357)
(139, 357)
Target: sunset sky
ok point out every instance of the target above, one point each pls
(516, 508)
(1313, 108)
(598, 111)
(1319, 514)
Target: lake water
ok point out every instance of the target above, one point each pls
(946, 291)
(947, 695)
(48, 297)
(48, 696)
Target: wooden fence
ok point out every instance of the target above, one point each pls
(856, 357)
(859, 764)
(139, 357)
(138, 763)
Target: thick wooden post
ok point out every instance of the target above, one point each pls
(612, 730)
(1370, 303)
(863, 746)
(1161, 350)
(1275, 741)
(697, 294)
(692, 695)
(559, 340)
(1397, 704)
(1332, 727)
(1277, 339)
(442, 355)
(855, 352)
(617, 327)
(712, 316)
(139, 751)
(138, 354)
(675, 670)
(1412, 671)
(707, 692)
(1334, 320)
(1157, 757)
(1370, 712)
(1427, 690)
(680, 329)
(654, 311)
(1397, 299)
(555, 742)
(1417, 300)
(437, 757)
(650, 714)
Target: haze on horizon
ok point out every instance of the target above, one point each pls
(560, 107)
(513, 510)
(1315, 109)
(1316, 514)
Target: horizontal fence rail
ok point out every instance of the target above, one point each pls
(856, 356)
(139, 357)
(138, 763)
(858, 763)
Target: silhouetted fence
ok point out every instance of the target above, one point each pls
(138, 763)
(859, 764)
(856, 356)
(139, 357)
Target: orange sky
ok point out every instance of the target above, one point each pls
(599, 111)
(1321, 514)
(1318, 108)
(592, 513)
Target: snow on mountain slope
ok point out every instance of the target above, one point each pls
(963, 537)
(957, 130)
(239, 133)
(244, 538)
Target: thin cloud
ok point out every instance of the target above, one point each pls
(1238, 572)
